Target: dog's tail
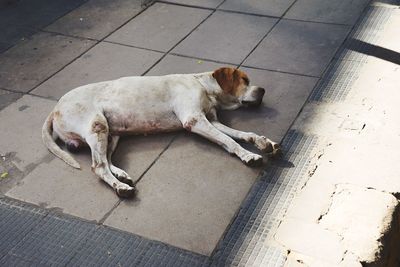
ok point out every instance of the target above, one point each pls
(52, 146)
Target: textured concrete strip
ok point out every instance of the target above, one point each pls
(238, 41)
(342, 12)
(274, 8)
(337, 82)
(107, 247)
(298, 47)
(158, 254)
(7, 97)
(54, 241)
(32, 236)
(16, 221)
(103, 62)
(20, 136)
(96, 18)
(31, 61)
(245, 242)
(150, 31)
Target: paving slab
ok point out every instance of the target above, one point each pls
(96, 18)
(305, 207)
(7, 97)
(199, 3)
(176, 64)
(361, 154)
(178, 196)
(298, 47)
(103, 62)
(284, 97)
(310, 239)
(361, 217)
(135, 154)
(33, 60)
(149, 30)
(20, 136)
(36, 14)
(274, 8)
(57, 185)
(225, 37)
(341, 12)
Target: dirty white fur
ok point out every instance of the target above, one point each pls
(97, 114)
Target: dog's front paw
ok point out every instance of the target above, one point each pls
(268, 146)
(263, 144)
(277, 151)
(125, 191)
(252, 159)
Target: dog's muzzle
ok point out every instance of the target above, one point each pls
(257, 95)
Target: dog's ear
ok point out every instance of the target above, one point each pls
(227, 79)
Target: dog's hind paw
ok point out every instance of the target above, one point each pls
(125, 191)
(121, 175)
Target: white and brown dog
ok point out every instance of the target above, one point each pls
(98, 114)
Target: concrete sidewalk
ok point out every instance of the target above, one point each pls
(189, 189)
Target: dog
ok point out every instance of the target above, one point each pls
(98, 114)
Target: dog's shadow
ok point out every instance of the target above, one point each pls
(247, 115)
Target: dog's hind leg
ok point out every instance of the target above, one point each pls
(119, 173)
(97, 139)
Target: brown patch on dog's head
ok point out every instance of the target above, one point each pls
(232, 81)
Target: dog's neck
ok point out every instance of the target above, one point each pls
(209, 83)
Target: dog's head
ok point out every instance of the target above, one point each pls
(236, 89)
